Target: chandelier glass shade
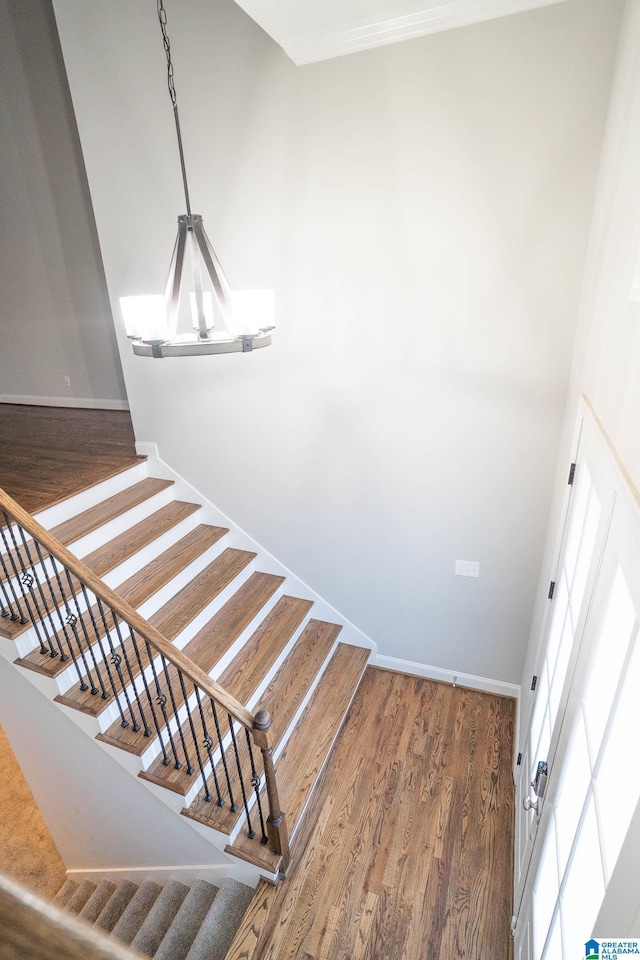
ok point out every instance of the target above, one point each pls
(213, 318)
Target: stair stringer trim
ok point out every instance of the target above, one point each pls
(265, 560)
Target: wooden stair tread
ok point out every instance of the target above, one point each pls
(222, 630)
(287, 690)
(77, 527)
(303, 757)
(135, 590)
(135, 538)
(174, 616)
(106, 510)
(247, 936)
(161, 570)
(180, 781)
(263, 648)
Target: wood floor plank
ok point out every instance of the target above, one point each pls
(366, 885)
(59, 451)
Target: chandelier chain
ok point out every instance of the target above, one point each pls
(162, 17)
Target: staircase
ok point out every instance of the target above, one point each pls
(170, 921)
(234, 629)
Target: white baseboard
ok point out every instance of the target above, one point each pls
(499, 687)
(215, 874)
(83, 403)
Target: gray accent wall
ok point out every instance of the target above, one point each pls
(55, 317)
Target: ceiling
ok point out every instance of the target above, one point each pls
(312, 30)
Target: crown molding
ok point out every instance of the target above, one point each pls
(404, 24)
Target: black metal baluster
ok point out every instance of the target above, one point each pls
(234, 805)
(105, 661)
(55, 602)
(161, 700)
(68, 621)
(54, 630)
(193, 729)
(251, 832)
(26, 582)
(147, 731)
(7, 579)
(72, 621)
(255, 783)
(175, 713)
(115, 660)
(207, 743)
(132, 682)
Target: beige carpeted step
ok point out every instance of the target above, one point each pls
(65, 893)
(136, 911)
(177, 941)
(80, 897)
(221, 922)
(97, 901)
(116, 906)
(159, 919)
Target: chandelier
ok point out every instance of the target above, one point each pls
(217, 318)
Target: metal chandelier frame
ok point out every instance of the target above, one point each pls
(193, 239)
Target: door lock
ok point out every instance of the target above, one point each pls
(530, 804)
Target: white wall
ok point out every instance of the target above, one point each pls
(606, 369)
(55, 315)
(422, 211)
(100, 816)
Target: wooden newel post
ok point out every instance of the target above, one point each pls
(276, 821)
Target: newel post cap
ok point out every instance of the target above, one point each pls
(262, 720)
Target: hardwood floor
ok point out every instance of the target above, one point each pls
(411, 854)
(49, 453)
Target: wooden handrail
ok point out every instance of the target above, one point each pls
(127, 613)
(33, 929)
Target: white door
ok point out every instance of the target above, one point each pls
(581, 722)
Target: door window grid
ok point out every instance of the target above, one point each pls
(588, 835)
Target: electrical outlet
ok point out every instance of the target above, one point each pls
(67, 381)
(467, 568)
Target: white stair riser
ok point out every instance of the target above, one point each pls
(123, 522)
(142, 557)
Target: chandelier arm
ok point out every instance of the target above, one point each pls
(174, 279)
(215, 271)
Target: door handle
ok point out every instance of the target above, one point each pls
(530, 804)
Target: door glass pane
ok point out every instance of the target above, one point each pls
(604, 672)
(540, 732)
(545, 891)
(574, 782)
(559, 612)
(579, 497)
(554, 943)
(560, 672)
(585, 552)
(583, 888)
(618, 776)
